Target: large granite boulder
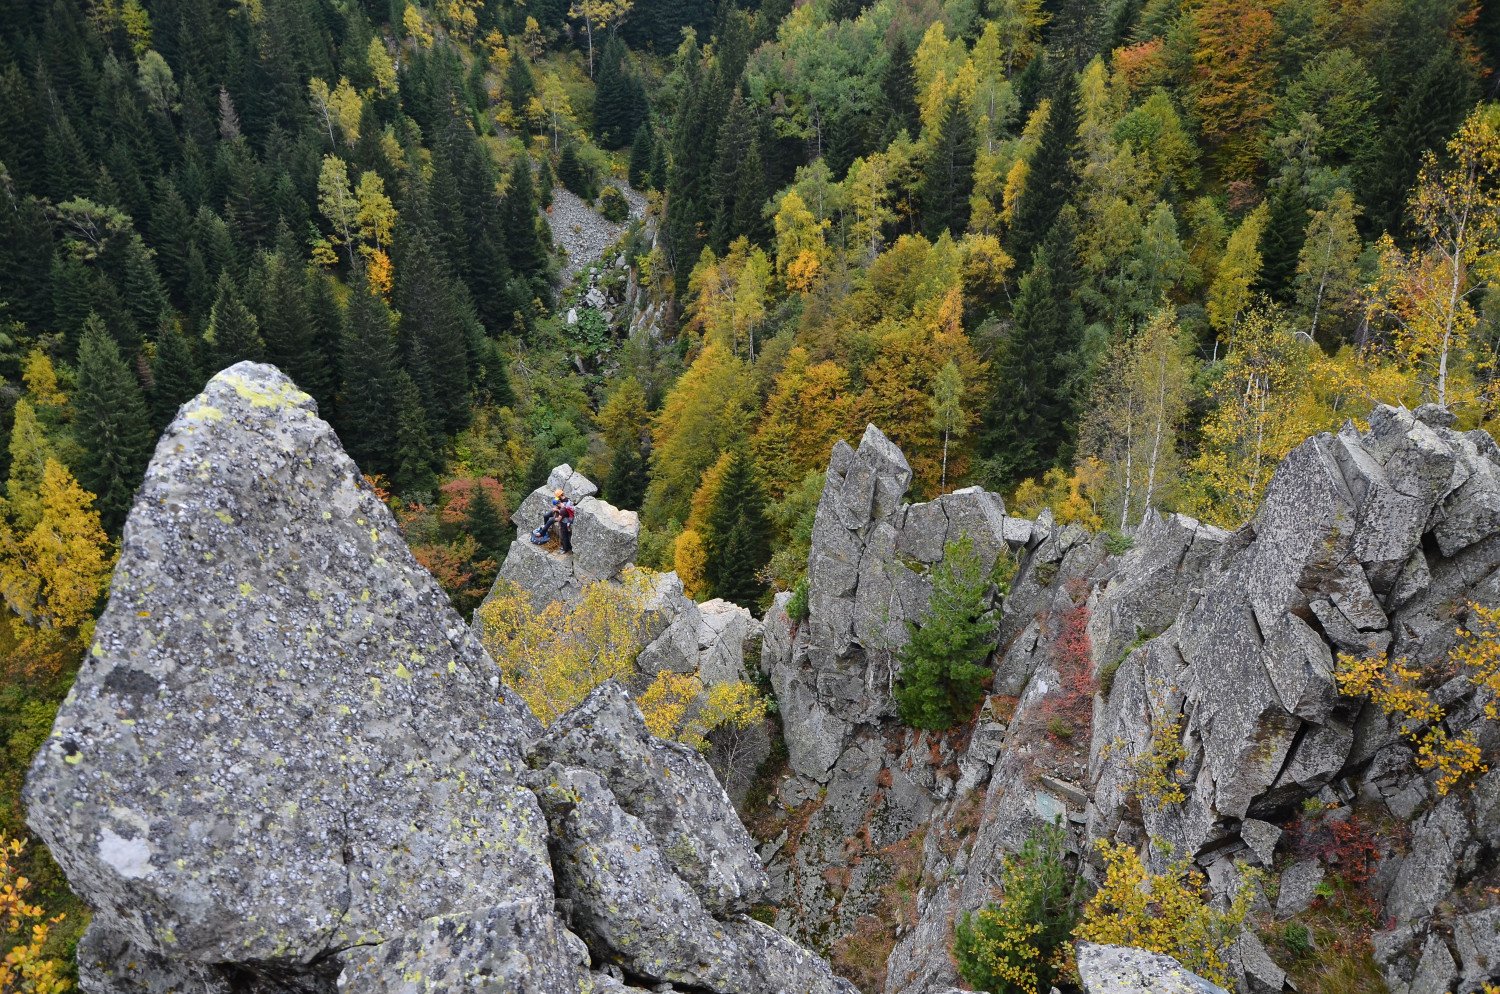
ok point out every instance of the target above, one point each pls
(287, 766)
(276, 695)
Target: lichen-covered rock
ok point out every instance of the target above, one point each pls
(109, 963)
(634, 912)
(1124, 970)
(287, 764)
(604, 540)
(518, 948)
(671, 788)
(277, 694)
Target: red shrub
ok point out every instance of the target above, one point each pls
(1072, 701)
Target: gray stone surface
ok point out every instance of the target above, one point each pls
(1299, 885)
(670, 788)
(633, 911)
(276, 693)
(1261, 837)
(288, 765)
(604, 541)
(109, 963)
(1123, 970)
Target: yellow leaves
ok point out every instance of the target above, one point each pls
(380, 275)
(802, 272)
(381, 67)
(1395, 687)
(460, 16)
(1163, 913)
(809, 409)
(53, 575)
(25, 969)
(1229, 296)
(799, 243)
(41, 381)
(1424, 294)
(690, 560)
(416, 26)
(728, 296)
(1260, 415)
(676, 706)
(1478, 653)
(1156, 775)
(341, 106)
(376, 214)
(553, 658)
(1067, 495)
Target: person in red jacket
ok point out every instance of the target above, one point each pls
(562, 513)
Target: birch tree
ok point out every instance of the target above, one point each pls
(1455, 211)
(1140, 403)
(1327, 280)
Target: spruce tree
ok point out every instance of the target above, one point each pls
(520, 87)
(485, 525)
(738, 536)
(175, 377)
(1051, 177)
(943, 674)
(733, 152)
(1031, 410)
(1430, 112)
(111, 424)
(948, 179)
(898, 91)
(628, 476)
(527, 252)
(619, 96)
(574, 175)
(434, 331)
(751, 199)
(640, 157)
(367, 364)
(233, 333)
(413, 462)
(286, 324)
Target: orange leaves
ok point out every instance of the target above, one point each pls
(1234, 80)
(25, 967)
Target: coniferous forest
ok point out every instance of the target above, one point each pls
(1100, 256)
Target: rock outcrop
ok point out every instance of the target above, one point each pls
(1123, 970)
(287, 765)
(604, 541)
(715, 640)
(1218, 648)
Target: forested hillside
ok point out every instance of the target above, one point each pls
(1100, 256)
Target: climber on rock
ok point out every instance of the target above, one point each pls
(561, 513)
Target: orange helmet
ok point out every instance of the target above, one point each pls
(558, 494)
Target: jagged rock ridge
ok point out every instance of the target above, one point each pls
(287, 764)
(1366, 542)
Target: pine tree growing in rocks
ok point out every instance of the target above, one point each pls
(942, 664)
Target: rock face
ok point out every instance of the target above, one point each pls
(1122, 970)
(287, 763)
(604, 541)
(866, 579)
(716, 640)
(1220, 647)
